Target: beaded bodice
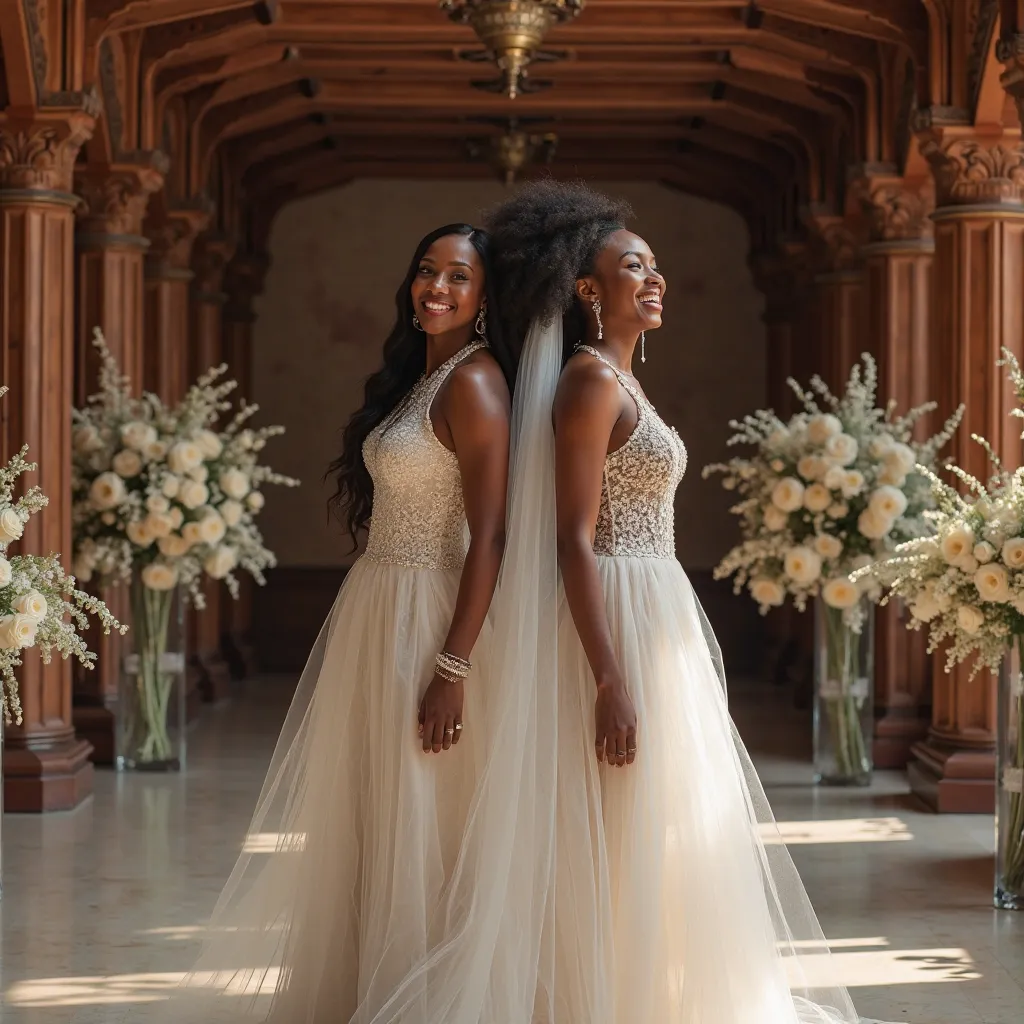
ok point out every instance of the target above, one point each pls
(637, 515)
(419, 518)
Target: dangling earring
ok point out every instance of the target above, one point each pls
(416, 322)
(643, 342)
(597, 313)
(481, 322)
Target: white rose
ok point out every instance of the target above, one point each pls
(107, 491)
(177, 517)
(160, 576)
(193, 494)
(17, 631)
(888, 502)
(231, 512)
(872, 525)
(840, 510)
(900, 458)
(200, 473)
(768, 593)
(984, 552)
(817, 498)
(209, 444)
(777, 465)
(32, 605)
(81, 569)
(157, 503)
(5, 572)
(842, 448)
(159, 524)
(221, 562)
(810, 467)
(127, 463)
(993, 583)
(108, 518)
(853, 483)
(924, 608)
(828, 546)
(880, 445)
(892, 477)
(802, 565)
(957, 544)
(173, 545)
(256, 501)
(774, 518)
(788, 494)
(86, 439)
(1013, 553)
(776, 439)
(137, 435)
(970, 619)
(969, 564)
(11, 526)
(190, 531)
(234, 483)
(840, 593)
(139, 533)
(834, 478)
(184, 456)
(156, 451)
(821, 428)
(212, 528)
(170, 487)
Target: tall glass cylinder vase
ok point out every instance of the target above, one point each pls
(151, 714)
(843, 701)
(1009, 888)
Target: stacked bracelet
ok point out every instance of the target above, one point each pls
(451, 667)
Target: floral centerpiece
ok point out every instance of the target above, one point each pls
(965, 586)
(40, 606)
(835, 488)
(162, 500)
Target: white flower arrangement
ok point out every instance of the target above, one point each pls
(40, 605)
(162, 492)
(966, 583)
(836, 488)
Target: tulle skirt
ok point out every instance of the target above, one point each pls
(357, 830)
(676, 901)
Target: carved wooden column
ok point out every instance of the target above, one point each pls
(898, 266)
(168, 277)
(108, 294)
(207, 627)
(978, 307)
(46, 766)
(243, 282)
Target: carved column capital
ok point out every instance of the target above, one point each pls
(115, 196)
(38, 150)
(893, 209)
(172, 234)
(834, 243)
(210, 259)
(243, 281)
(971, 169)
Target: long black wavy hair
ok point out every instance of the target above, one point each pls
(405, 360)
(544, 238)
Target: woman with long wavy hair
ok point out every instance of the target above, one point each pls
(359, 825)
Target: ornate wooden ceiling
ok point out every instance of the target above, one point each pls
(762, 104)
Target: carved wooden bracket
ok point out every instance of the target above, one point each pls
(172, 235)
(210, 260)
(244, 278)
(835, 243)
(893, 209)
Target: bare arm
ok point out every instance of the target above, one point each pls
(587, 408)
(475, 407)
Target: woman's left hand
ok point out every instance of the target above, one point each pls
(441, 714)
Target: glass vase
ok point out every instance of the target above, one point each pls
(1009, 887)
(151, 713)
(843, 696)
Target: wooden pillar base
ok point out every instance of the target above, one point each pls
(96, 724)
(897, 731)
(56, 778)
(213, 676)
(953, 781)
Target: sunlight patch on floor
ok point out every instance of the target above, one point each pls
(881, 968)
(841, 830)
(274, 842)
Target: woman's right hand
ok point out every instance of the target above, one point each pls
(616, 724)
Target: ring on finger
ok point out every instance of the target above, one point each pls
(458, 727)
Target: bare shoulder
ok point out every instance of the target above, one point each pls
(586, 382)
(477, 385)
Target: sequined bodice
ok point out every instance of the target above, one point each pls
(418, 516)
(637, 515)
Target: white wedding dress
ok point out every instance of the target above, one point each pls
(357, 830)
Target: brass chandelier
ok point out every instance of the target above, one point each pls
(512, 32)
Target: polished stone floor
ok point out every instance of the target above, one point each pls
(102, 906)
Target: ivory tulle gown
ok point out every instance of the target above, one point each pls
(357, 830)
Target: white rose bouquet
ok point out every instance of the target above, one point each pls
(834, 489)
(40, 605)
(965, 585)
(163, 498)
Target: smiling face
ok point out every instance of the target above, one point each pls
(448, 288)
(628, 284)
